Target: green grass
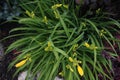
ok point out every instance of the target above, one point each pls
(59, 35)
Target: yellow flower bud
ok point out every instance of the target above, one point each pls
(93, 47)
(46, 49)
(71, 59)
(86, 45)
(56, 14)
(80, 70)
(30, 14)
(65, 6)
(69, 67)
(21, 63)
(75, 47)
(49, 43)
(61, 73)
(74, 54)
(56, 6)
(98, 11)
(102, 32)
(45, 20)
(83, 24)
(49, 47)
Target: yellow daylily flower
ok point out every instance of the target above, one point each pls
(80, 70)
(21, 63)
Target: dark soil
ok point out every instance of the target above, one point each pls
(5, 60)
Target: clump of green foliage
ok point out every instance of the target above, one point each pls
(54, 40)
